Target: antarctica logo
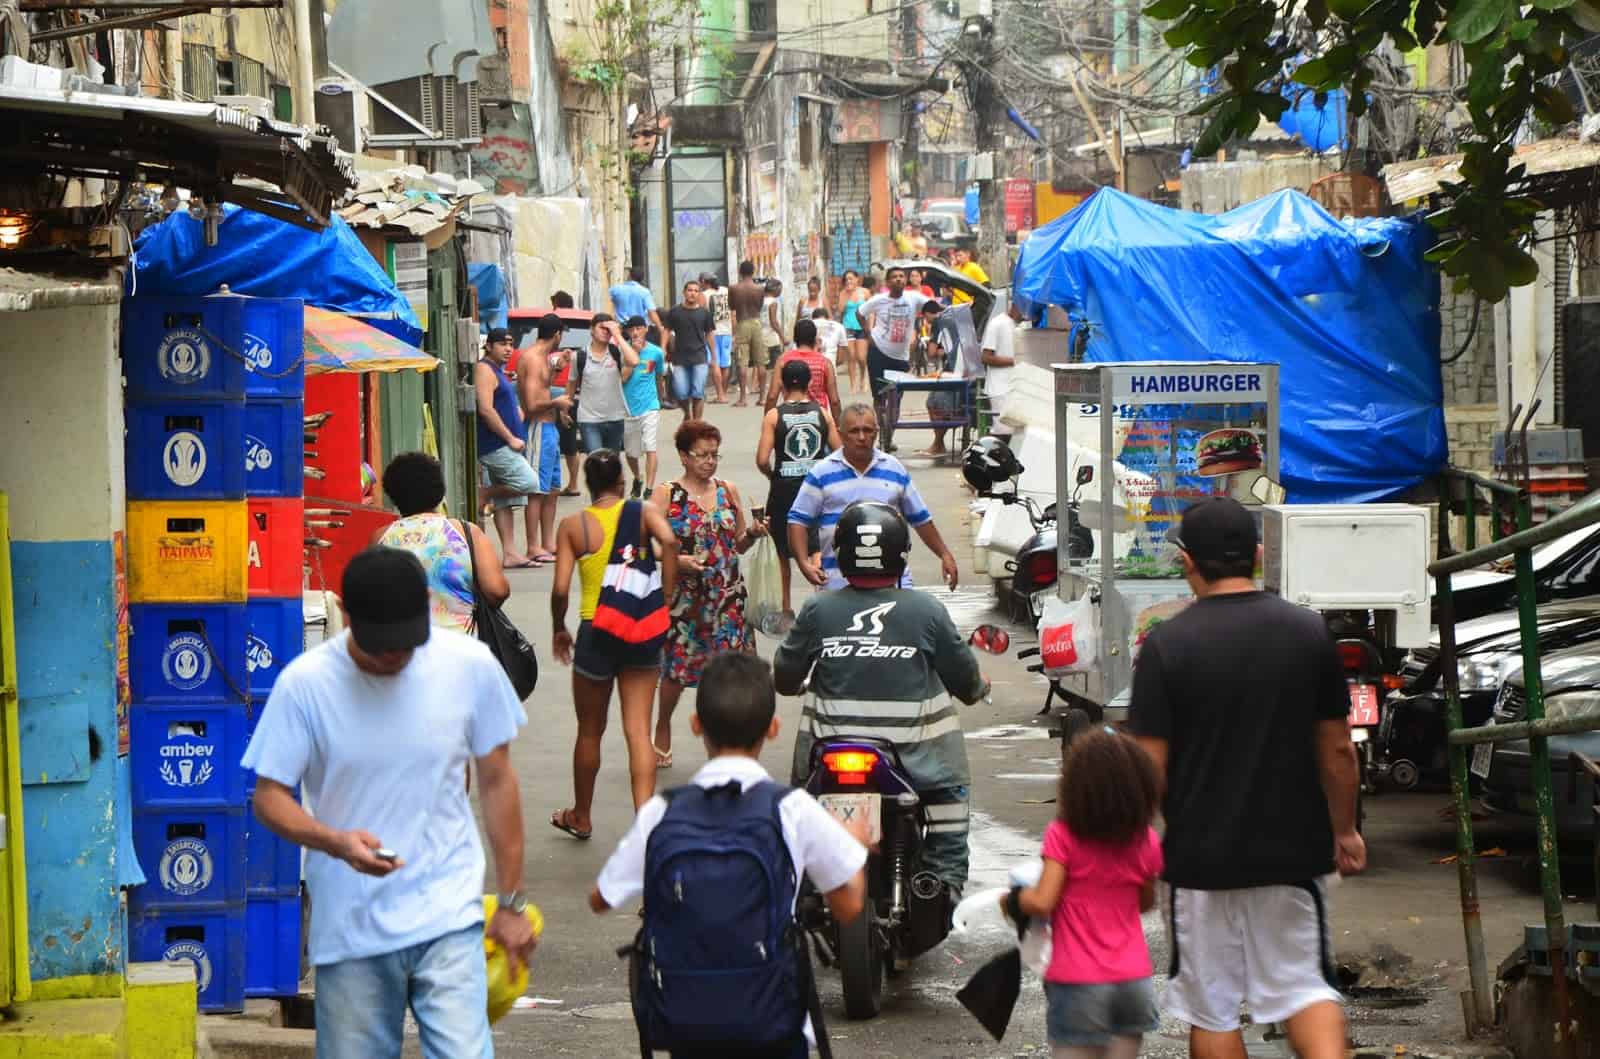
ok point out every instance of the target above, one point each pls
(186, 664)
(184, 357)
(257, 456)
(257, 653)
(195, 953)
(257, 353)
(184, 458)
(186, 867)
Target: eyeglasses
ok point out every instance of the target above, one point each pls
(712, 456)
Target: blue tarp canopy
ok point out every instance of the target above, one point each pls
(1349, 311)
(493, 309)
(268, 258)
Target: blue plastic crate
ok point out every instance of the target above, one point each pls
(276, 636)
(194, 856)
(271, 863)
(274, 448)
(212, 937)
(186, 756)
(213, 347)
(272, 946)
(188, 652)
(185, 450)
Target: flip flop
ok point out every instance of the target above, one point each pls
(525, 564)
(542, 558)
(558, 820)
(663, 757)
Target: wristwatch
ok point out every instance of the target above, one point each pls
(515, 902)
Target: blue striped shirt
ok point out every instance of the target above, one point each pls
(834, 485)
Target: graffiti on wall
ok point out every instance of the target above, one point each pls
(504, 159)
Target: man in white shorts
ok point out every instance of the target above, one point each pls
(644, 372)
(1241, 701)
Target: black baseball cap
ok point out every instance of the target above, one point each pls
(499, 334)
(1219, 528)
(635, 321)
(385, 593)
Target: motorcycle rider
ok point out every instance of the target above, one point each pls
(884, 662)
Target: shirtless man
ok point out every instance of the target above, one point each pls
(540, 411)
(745, 301)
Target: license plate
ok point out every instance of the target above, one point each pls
(1482, 756)
(847, 808)
(1363, 705)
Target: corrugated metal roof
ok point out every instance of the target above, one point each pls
(409, 198)
(1427, 176)
(22, 291)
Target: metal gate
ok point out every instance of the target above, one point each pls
(697, 196)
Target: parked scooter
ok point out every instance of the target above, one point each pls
(1363, 676)
(907, 911)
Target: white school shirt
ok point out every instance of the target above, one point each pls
(999, 335)
(388, 754)
(818, 844)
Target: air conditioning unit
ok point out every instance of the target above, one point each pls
(260, 106)
(442, 104)
(343, 107)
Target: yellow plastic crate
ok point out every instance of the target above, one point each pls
(187, 551)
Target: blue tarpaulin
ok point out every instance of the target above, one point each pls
(491, 284)
(268, 258)
(1350, 312)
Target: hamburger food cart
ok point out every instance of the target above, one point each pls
(1157, 436)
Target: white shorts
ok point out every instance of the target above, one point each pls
(1268, 947)
(639, 434)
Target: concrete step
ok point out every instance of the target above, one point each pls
(244, 1037)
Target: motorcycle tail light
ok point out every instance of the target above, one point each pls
(1353, 656)
(1394, 681)
(851, 767)
(1041, 570)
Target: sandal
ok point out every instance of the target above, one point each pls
(560, 820)
(663, 757)
(542, 558)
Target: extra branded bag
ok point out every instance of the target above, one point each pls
(720, 963)
(632, 607)
(1069, 636)
(504, 640)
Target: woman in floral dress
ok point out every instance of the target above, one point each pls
(708, 517)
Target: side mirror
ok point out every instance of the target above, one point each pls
(990, 639)
(1085, 474)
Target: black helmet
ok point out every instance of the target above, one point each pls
(871, 540)
(989, 462)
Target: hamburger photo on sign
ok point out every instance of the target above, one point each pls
(1227, 451)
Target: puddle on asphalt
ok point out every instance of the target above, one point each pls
(1011, 731)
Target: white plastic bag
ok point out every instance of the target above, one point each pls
(1069, 636)
(981, 912)
(763, 607)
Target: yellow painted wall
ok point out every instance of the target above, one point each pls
(264, 35)
(836, 27)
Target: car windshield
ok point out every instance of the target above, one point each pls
(1548, 552)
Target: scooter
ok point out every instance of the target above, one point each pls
(1363, 677)
(1034, 570)
(908, 908)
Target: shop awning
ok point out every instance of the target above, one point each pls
(336, 342)
(293, 174)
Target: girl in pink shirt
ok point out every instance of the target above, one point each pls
(1101, 860)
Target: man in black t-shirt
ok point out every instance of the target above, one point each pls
(1241, 701)
(689, 342)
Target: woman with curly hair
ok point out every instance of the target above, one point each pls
(708, 517)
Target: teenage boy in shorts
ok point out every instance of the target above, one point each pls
(735, 716)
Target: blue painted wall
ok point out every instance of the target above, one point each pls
(66, 643)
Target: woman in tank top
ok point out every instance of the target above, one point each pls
(414, 484)
(851, 296)
(794, 435)
(584, 542)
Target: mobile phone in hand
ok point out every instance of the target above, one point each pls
(758, 513)
(386, 854)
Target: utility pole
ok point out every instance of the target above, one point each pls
(305, 102)
(989, 119)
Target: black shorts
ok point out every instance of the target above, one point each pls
(779, 500)
(601, 657)
(569, 437)
(878, 364)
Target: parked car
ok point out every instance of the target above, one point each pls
(523, 323)
(1571, 688)
(1411, 740)
(944, 230)
(1565, 568)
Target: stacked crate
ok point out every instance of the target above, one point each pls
(215, 397)
(1558, 476)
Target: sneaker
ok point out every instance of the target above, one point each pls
(638, 489)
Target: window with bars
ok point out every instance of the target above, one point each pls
(242, 77)
(762, 16)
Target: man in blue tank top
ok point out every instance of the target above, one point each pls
(500, 443)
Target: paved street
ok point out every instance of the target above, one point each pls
(1404, 911)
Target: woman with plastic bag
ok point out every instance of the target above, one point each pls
(795, 434)
(708, 605)
(1101, 859)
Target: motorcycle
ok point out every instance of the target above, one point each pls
(908, 909)
(1363, 676)
(1034, 571)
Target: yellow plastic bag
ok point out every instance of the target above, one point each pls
(504, 989)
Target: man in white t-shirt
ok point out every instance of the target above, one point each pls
(891, 319)
(379, 725)
(831, 335)
(999, 356)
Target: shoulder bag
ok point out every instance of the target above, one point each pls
(504, 640)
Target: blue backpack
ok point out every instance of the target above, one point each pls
(720, 964)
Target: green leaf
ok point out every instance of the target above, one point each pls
(1552, 104)
(1523, 28)
(1167, 9)
(1520, 267)
(1316, 73)
(1425, 18)
(1473, 20)
(1553, 5)
(1349, 10)
(1317, 13)
(1218, 129)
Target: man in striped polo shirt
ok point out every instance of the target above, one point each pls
(859, 470)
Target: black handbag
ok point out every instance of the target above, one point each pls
(504, 640)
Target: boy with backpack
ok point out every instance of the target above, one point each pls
(720, 965)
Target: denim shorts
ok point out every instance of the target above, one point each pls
(724, 350)
(689, 382)
(1088, 1016)
(602, 434)
(361, 1004)
(505, 466)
